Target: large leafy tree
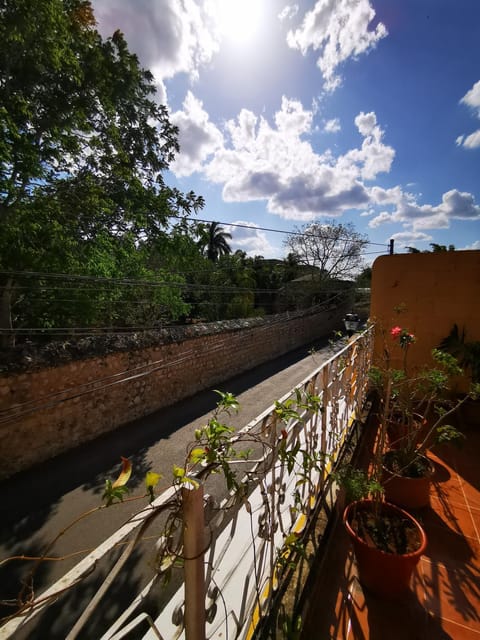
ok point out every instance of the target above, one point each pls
(83, 149)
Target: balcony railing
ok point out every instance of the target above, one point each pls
(235, 544)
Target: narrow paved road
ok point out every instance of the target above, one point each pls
(39, 503)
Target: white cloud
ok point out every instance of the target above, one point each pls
(367, 124)
(198, 136)
(381, 218)
(460, 205)
(410, 238)
(278, 164)
(475, 246)
(289, 12)
(472, 141)
(293, 119)
(332, 126)
(374, 157)
(455, 205)
(472, 97)
(472, 100)
(252, 240)
(169, 37)
(256, 160)
(380, 196)
(339, 29)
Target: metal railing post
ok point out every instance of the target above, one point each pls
(194, 567)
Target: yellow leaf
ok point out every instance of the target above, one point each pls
(151, 479)
(178, 472)
(125, 473)
(196, 455)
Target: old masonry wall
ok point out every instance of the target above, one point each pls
(47, 410)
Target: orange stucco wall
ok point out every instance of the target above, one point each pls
(436, 291)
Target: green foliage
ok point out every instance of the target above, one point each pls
(447, 433)
(180, 477)
(214, 241)
(415, 405)
(83, 146)
(287, 410)
(304, 461)
(364, 279)
(291, 626)
(113, 494)
(228, 402)
(357, 483)
(214, 446)
(467, 353)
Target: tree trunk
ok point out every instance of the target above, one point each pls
(6, 339)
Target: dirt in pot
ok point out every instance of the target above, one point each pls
(407, 465)
(389, 532)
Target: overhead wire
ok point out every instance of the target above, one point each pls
(254, 226)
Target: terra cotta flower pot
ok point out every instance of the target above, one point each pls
(385, 574)
(406, 492)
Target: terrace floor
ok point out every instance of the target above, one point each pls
(444, 600)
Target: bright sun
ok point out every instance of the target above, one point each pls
(239, 19)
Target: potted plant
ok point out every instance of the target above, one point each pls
(467, 353)
(415, 409)
(387, 541)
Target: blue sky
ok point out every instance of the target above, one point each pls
(361, 111)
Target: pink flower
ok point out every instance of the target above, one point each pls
(395, 332)
(403, 336)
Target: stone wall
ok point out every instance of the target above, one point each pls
(48, 410)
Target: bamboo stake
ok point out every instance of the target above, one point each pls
(194, 569)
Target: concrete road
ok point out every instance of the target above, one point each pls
(37, 504)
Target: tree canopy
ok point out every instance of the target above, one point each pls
(92, 235)
(436, 248)
(83, 149)
(214, 241)
(332, 248)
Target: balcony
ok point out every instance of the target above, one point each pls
(444, 601)
(258, 581)
(250, 539)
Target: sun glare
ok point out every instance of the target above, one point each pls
(239, 19)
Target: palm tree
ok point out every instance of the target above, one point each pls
(213, 241)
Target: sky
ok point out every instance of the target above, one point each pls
(353, 111)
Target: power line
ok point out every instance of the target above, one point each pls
(129, 282)
(109, 330)
(133, 283)
(290, 233)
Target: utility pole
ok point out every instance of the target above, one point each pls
(391, 246)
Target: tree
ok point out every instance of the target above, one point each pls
(333, 249)
(213, 241)
(83, 148)
(435, 248)
(364, 279)
(441, 248)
